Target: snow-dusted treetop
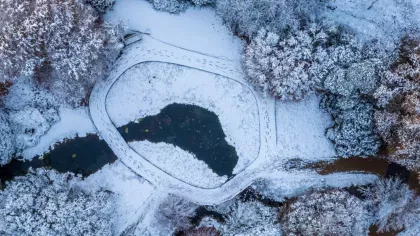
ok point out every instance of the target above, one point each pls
(326, 213)
(7, 140)
(47, 203)
(61, 43)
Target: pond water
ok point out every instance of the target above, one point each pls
(191, 128)
(79, 155)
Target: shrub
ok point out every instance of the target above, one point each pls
(326, 213)
(72, 47)
(394, 205)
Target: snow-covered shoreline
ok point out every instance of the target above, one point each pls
(72, 123)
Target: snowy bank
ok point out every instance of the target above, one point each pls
(196, 29)
(72, 123)
(131, 192)
(179, 163)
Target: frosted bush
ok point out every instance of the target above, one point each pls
(72, 48)
(353, 132)
(247, 17)
(394, 205)
(282, 68)
(398, 98)
(177, 6)
(173, 213)
(7, 139)
(326, 213)
(101, 5)
(246, 218)
(172, 6)
(46, 203)
(32, 111)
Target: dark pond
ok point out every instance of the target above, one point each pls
(191, 128)
(79, 155)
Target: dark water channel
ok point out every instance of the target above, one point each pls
(79, 155)
(370, 165)
(191, 128)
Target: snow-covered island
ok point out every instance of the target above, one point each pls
(209, 117)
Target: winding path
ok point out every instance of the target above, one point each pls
(151, 50)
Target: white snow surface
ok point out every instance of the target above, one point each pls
(32, 111)
(131, 192)
(179, 163)
(148, 87)
(283, 185)
(387, 20)
(197, 29)
(301, 130)
(72, 123)
(412, 231)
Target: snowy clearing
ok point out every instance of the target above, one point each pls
(148, 87)
(179, 163)
(130, 190)
(301, 130)
(385, 19)
(72, 123)
(196, 29)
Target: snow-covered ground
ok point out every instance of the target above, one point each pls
(282, 185)
(196, 29)
(131, 192)
(72, 123)
(384, 19)
(179, 163)
(301, 130)
(148, 87)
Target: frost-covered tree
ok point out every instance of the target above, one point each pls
(394, 205)
(246, 218)
(247, 17)
(32, 111)
(202, 231)
(7, 139)
(62, 44)
(398, 99)
(282, 68)
(177, 6)
(326, 213)
(45, 202)
(101, 5)
(353, 130)
(349, 86)
(173, 214)
(318, 54)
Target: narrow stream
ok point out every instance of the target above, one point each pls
(370, 165)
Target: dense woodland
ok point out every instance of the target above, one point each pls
(53, 51)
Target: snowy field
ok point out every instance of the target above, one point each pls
(196, 29)
(385, 19)
(131, 192)
(148, 87)
(179, 163)
(301, 130)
